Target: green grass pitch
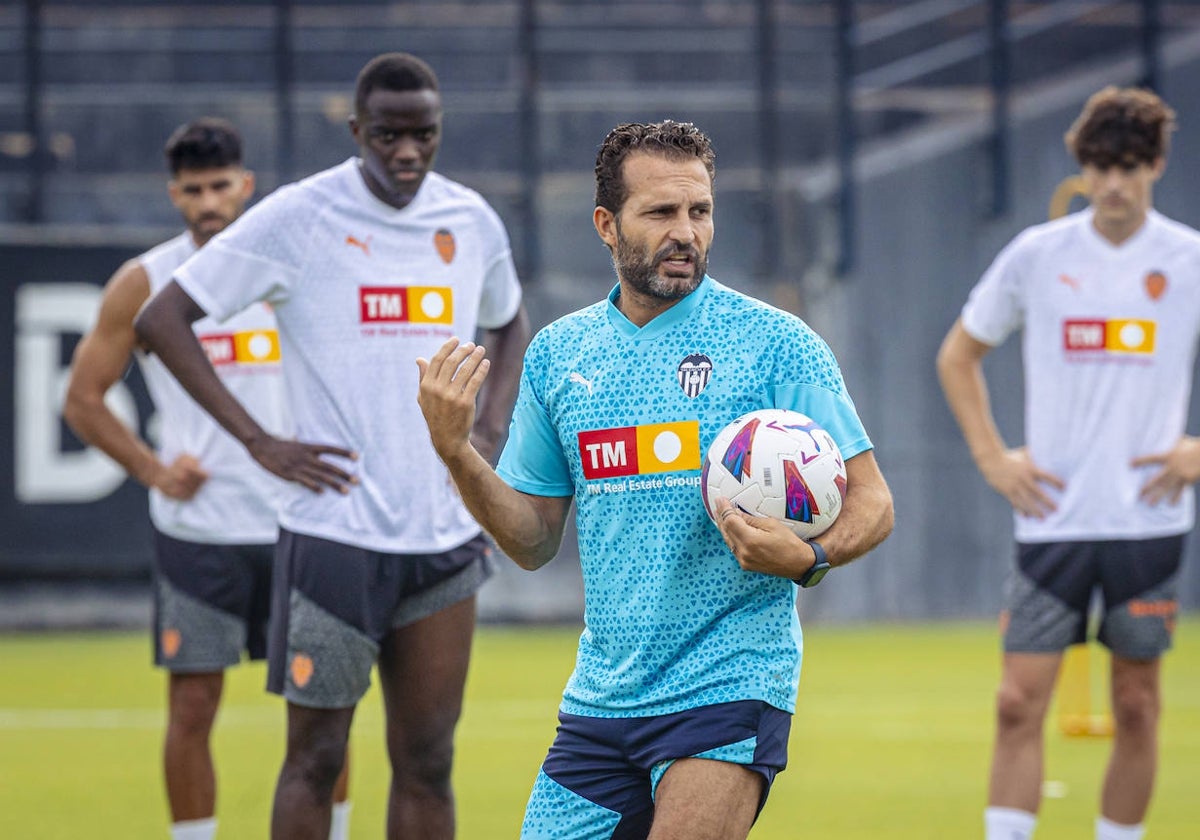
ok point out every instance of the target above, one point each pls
(891, 739)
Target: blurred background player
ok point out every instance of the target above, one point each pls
(368, 265)
(1109, 300)
(213, 509)
(676, 718)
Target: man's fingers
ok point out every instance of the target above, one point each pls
(469, 372)
(327, 449)
(443, 353)
(478, 377)
(460, 364)
(1051, 479)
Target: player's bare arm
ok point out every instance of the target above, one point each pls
(164, 326)
(766, 545)
(100, 360)
(527, 528)
(1180, 469)
(506, 346)
(1010, 472)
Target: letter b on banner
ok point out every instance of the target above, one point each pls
(45, 472)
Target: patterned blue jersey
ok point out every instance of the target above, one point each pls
(619, 417)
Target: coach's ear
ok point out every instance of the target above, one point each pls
(606, 225)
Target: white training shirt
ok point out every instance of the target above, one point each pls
(238, 503)
(1109, 341)
(361, 290)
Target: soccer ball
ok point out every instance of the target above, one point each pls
(778, 463)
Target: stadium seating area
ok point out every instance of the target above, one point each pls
(115, 77)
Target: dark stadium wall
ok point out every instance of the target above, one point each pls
(65, 510)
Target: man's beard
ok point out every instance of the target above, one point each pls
(202, 232)
(641, 272)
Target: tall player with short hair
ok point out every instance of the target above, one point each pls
(213, 508)
(676, 718)
(1109, 301)
(368, 265)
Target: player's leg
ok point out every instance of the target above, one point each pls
(1026, 686)
(1129, 781)
(316, 751)
(204, 599)
(1140, 579)
(339, 823)
(1045, 612)
(422, 673)
(192, 701)
(322, 649)
(701, 799)
(711, 768)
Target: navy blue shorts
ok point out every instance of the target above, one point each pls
(211, 602)
(334, 604)
(1050, 591)
(599, 778)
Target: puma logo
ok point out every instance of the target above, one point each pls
(1068, 280)
(579, 378)
(364, 246)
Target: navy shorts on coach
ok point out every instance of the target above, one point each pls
(599, 779)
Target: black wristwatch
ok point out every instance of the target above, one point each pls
(818, 569)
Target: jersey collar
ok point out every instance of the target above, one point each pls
(376, 203)
(1129, 245)
(678, 313)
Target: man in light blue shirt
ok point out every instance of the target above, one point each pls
(680, 704)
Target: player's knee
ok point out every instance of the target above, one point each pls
(426, 764)
(1135, 709)
(193, 707)
(319, 765)
(1016, 709)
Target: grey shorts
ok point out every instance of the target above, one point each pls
(211, 602)
(335, 604)
(1051, 587)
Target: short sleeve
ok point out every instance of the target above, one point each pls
(995, 307)
(533, 461)
(257, 258)
(501, 295)
(809, 380)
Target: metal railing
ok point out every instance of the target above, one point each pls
(965, 34)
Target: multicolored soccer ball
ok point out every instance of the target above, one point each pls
(777, 463)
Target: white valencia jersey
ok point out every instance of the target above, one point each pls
(1109, 343)
(361, 290)
(238, 504)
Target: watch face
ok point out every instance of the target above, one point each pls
(815, 575)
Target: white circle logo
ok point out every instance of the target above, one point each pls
(259, 346)
(433, 304)
(1132, 335)
(667, 447)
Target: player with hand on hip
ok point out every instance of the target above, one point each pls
(213, 509)
(368, 266)
(1109, 303)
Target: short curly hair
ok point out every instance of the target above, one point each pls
(1121, 127)
(394, 71)
(668, 138)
